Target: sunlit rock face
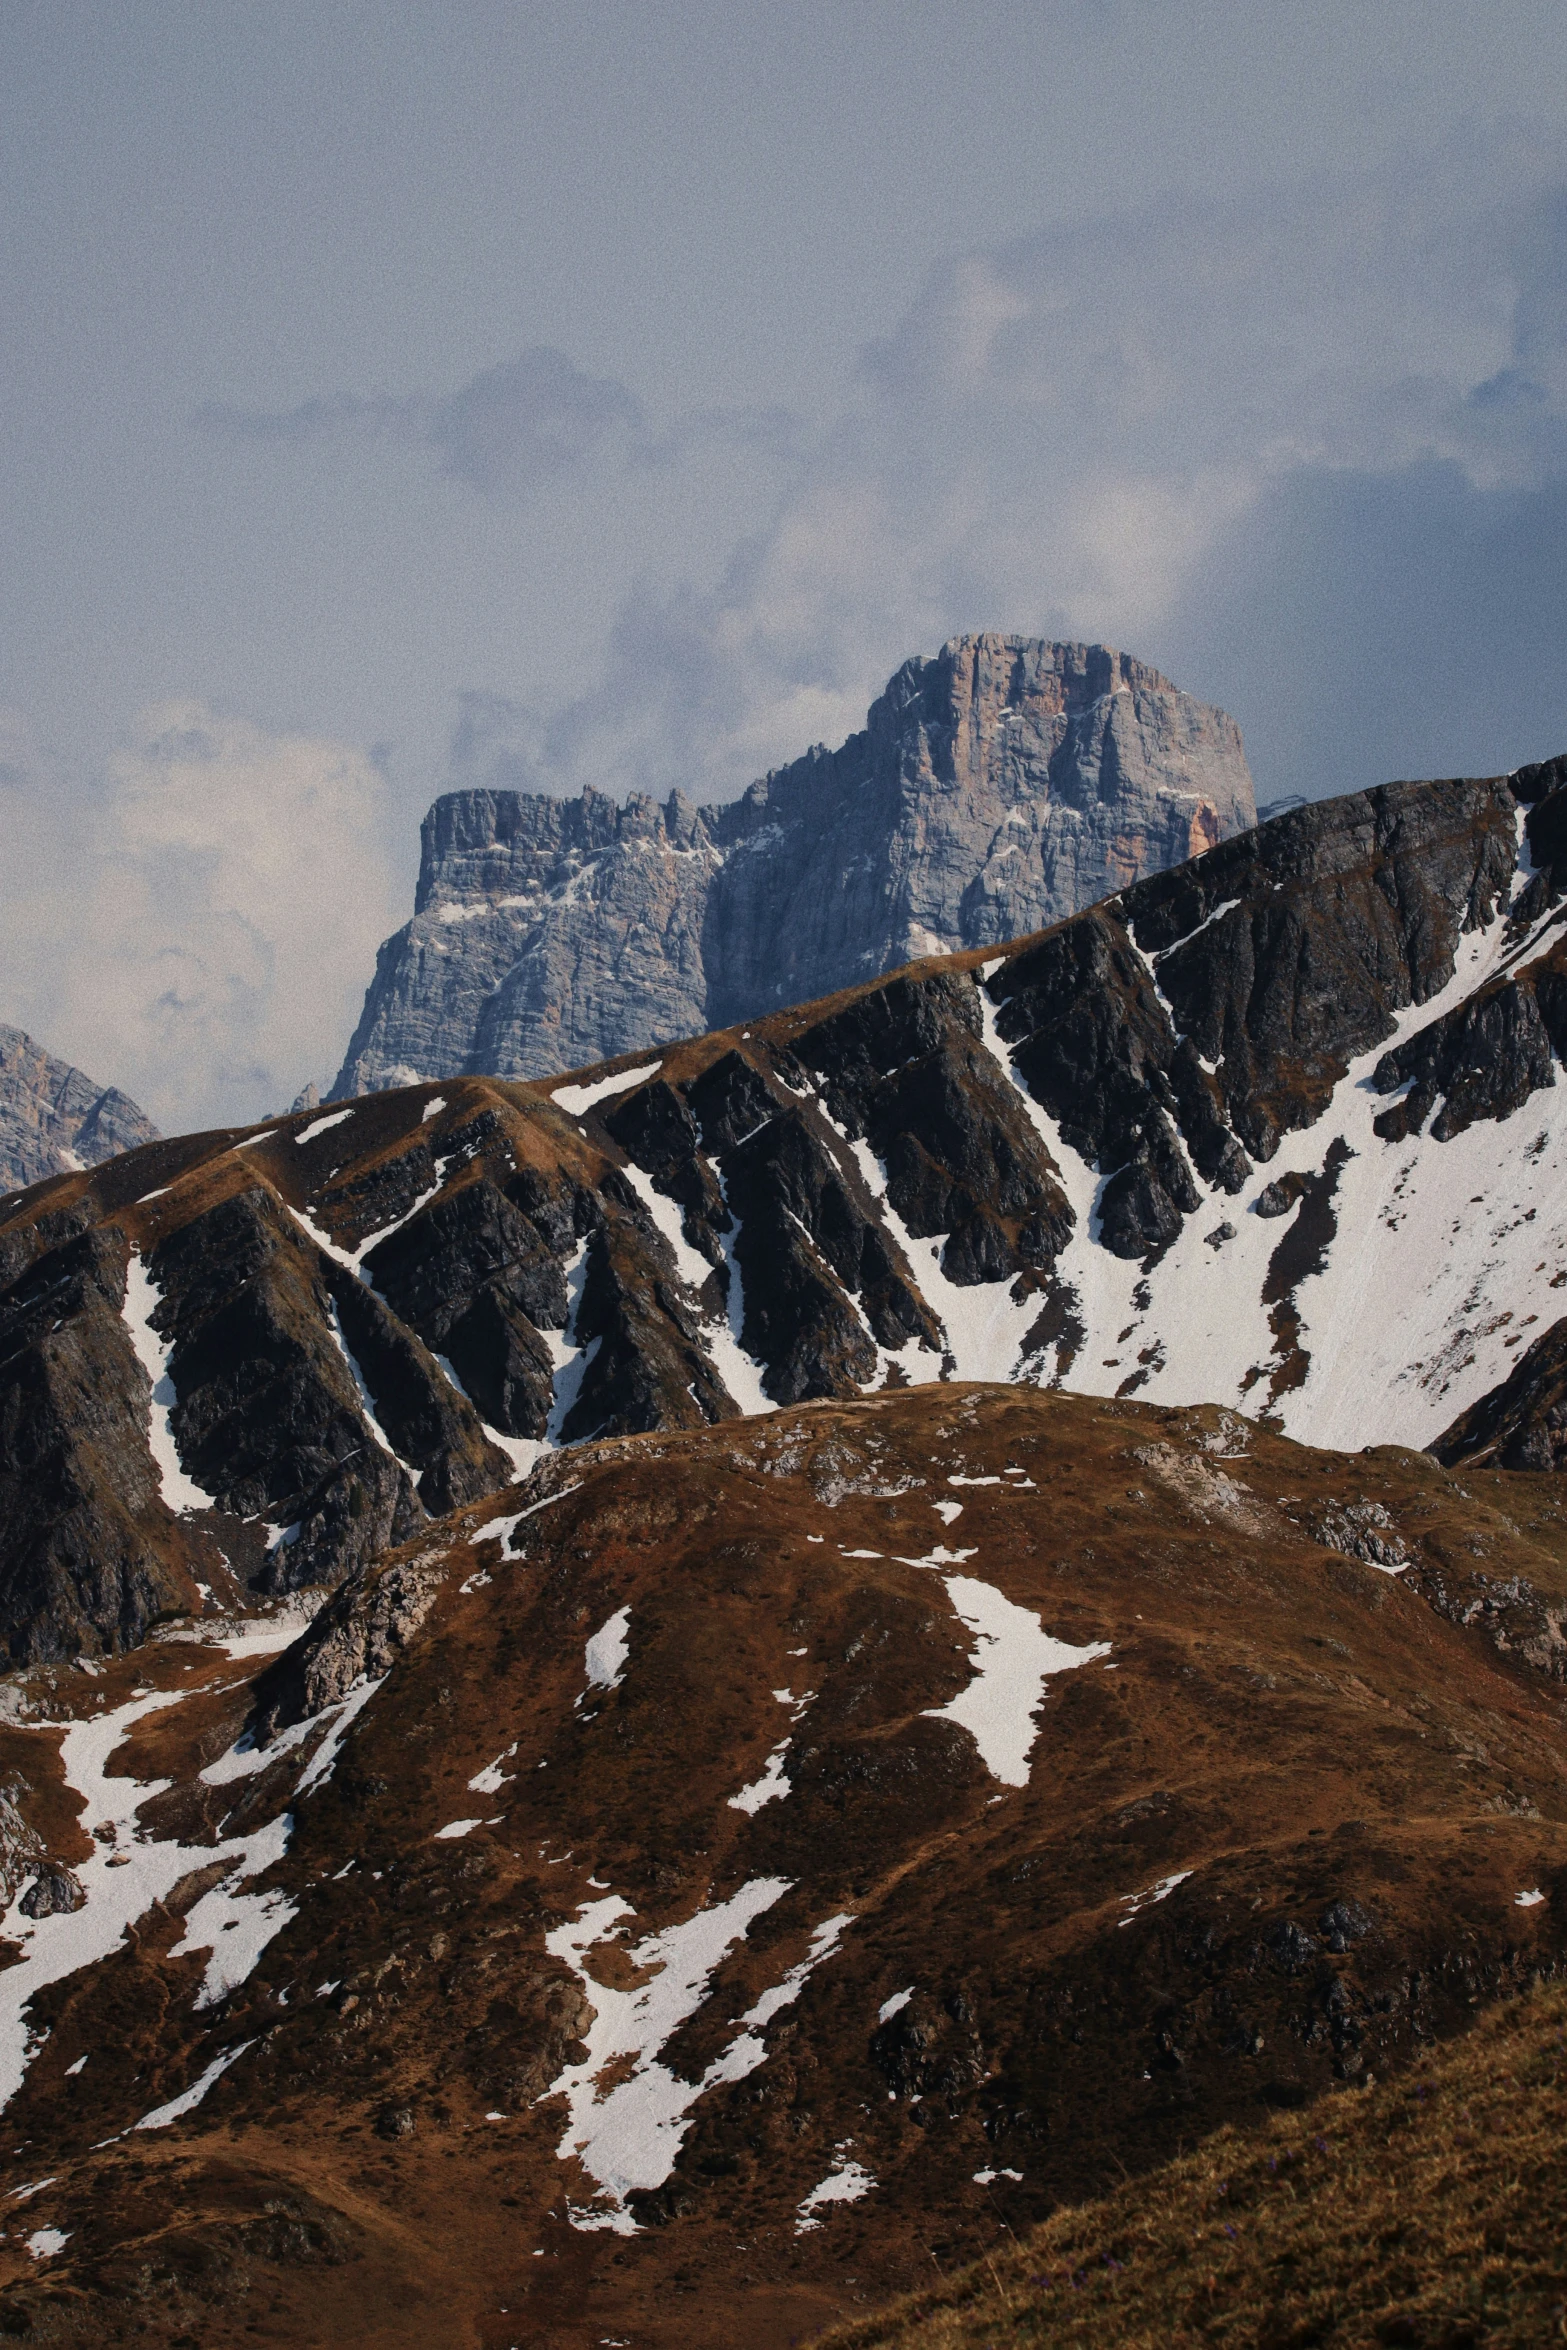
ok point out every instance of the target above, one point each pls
(52, 1118)
(996, 788)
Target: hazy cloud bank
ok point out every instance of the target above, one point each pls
(198, 929)
(505, 428)
(1306, 451)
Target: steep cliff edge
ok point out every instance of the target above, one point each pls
(1000, 786)
(52, 1118)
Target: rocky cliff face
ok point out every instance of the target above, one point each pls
(53, 1118)
(996, 788)
(1278, 1129)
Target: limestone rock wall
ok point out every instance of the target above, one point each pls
(52, 1118)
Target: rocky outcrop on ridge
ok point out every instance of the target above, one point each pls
(1166, 1148)
(52, 1118)
(997, 787)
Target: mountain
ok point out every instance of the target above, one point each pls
(1278, 1129)
(997, 787)
(52, 1118)
(599, 1748)
(685, 1898)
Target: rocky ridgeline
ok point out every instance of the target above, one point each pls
(52, 1118)
(998, 787)
(1164, 1148)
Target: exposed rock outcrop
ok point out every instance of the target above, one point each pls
(358, 1636)
(52, 1118)
(997, 787)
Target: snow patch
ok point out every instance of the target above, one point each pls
(824, 1941)
(628, 2136)
(571, 1360)
(367, 1410)
(846, 2182)
(740, 1372)
(574, 1099)
(983, 1325)
(1133, 1902)
(606, 1653)
(771, 1784)
(523, 1452)
(127, 1873)
(1013, 1658)
(308, 1134)
(1400, 1329)
(142, 1298)
(492, 1778)
(188, 2099)
(233, 1926)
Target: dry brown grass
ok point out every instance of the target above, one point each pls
(1430, 2211)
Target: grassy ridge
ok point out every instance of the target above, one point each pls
(1429, 2211)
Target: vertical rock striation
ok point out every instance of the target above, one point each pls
(53, 1119)
(996, 788)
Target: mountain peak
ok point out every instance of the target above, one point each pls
(997, 786)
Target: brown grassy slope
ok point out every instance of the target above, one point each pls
(1282, 1727)
(1431, 2211)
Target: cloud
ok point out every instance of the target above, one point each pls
(527, 419)
(199, 929)
(506, 429)
(1301, 448)
(1384, 624)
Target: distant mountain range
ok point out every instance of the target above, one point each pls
(53, 1119)
(1277, 1129)
(998, 787)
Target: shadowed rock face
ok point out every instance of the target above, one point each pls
(53, 1118)
(1522, 1424)
(1228, 1137)
(997, 787)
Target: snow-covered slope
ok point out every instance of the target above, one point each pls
(1393, 1296)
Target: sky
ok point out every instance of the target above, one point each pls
(395, 397)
